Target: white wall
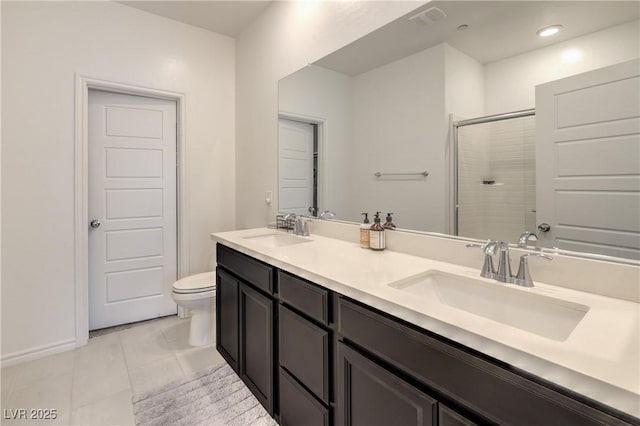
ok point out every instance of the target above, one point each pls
(286, 37)
(43, 45)
(510, 83)
(464, 84)
(400, 127)
(327, 95)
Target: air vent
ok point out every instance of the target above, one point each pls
(429, 16)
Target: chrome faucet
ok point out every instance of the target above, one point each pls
(522, 278)
(300, 226)
(525, 237)
(327, 214)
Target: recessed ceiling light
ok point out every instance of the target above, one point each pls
(549, 31)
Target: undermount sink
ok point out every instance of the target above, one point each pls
(275, 240)
(545, 316)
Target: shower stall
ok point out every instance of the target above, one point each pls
(494, 176)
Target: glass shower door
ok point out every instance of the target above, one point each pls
(495, 163)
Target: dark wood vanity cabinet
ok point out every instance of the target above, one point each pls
(313, 357)
(245, 318)
(485, 390)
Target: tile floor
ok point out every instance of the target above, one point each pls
(93, 385)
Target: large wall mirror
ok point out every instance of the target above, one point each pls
(479, 120)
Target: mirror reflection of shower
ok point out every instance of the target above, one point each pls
(495, 182)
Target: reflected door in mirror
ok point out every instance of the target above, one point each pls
(296, 183)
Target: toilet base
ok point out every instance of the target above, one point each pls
(200, 329)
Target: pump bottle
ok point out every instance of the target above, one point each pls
(364, 231)
(389, 223)
(376, 234)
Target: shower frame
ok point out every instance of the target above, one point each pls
(470, 122)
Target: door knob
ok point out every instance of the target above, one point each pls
(544, 227)
(95, 223)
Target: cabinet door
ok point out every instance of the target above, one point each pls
(227, 317)
(256, 344)
(297, 406)
(304, 352)
(448, 417)
(369, 395)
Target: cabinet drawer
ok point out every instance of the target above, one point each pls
(253, 271)
(299, 407)
(487, 389)
(304, 352)
(304, 296)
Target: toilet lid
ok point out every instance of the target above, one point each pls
(195, 283)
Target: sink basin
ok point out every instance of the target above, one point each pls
(277, 240)
(545, 316)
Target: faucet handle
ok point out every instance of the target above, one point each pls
(523, 277)
(488, 271)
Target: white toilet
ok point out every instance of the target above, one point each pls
(198, 294)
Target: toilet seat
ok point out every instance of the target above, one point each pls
(198, 283)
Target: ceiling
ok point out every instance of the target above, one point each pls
(497, 30)
(223, 17)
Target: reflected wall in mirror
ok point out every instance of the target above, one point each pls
(388, 107)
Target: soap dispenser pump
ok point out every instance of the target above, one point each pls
(376, 234)
(389, 223)
(364, 231)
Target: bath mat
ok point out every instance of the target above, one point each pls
(215, 396)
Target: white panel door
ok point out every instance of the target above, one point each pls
(588, 161)
(132, 193)
(295, 167)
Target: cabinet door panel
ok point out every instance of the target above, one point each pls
(256, 344)
(448, 417)
(369, 395)
(227, 317)
(297, 406)
(304, 352)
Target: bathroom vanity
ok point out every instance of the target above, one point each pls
(324, 332)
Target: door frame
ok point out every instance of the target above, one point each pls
(323, 149)
(81, 187)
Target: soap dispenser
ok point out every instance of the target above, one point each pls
(389, 223)
(364, 231)
(376, 234)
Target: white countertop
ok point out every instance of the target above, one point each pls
(600, 359)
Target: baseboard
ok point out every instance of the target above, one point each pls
(38, 352)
